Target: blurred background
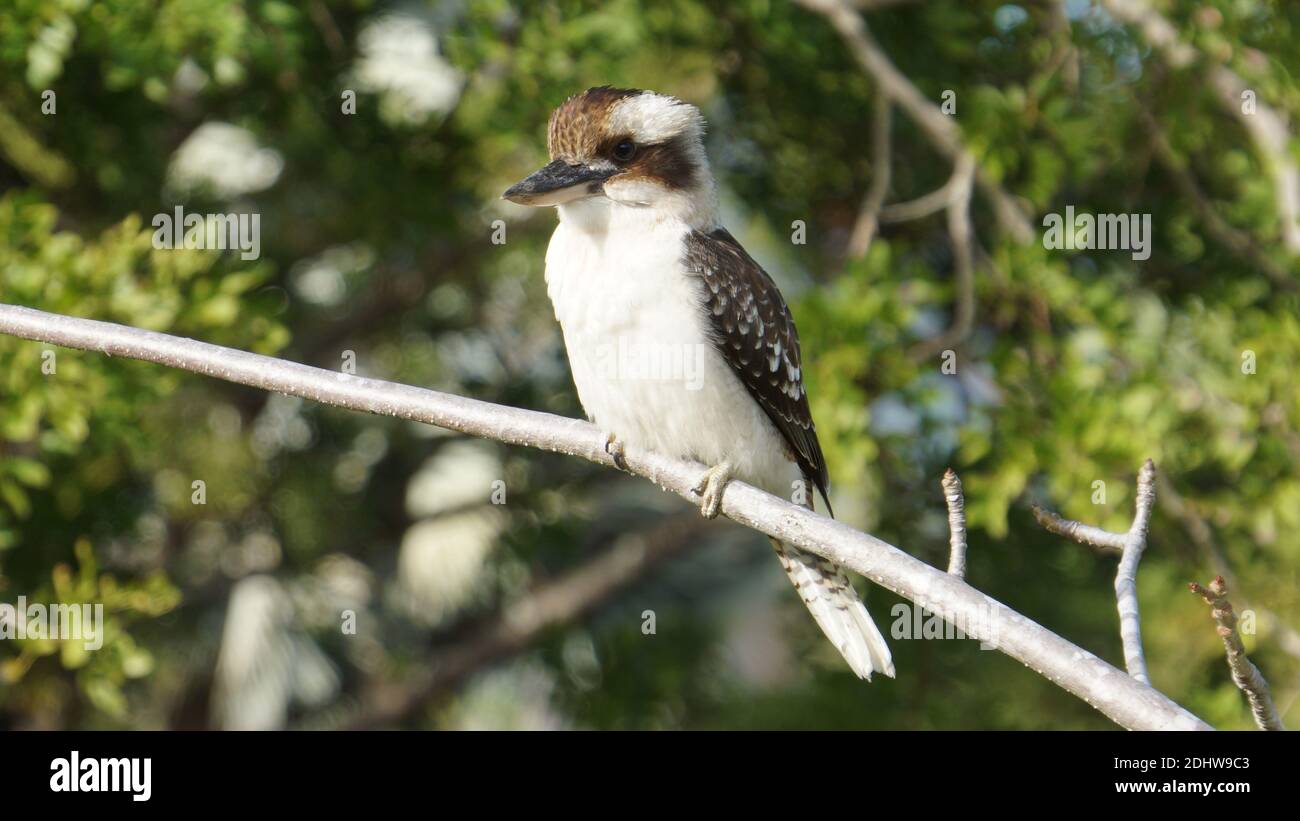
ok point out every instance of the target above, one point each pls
(344, 570)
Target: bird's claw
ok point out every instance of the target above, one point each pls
(615, 449)
(710, 488)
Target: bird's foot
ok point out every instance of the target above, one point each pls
(615, 449)
(710, 488)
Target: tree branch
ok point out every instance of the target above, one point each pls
(961, 235)
(868, 221)
(520, 623)
(1130, 622)
(1103, 540)
(1266, 127)
(922, 206)
(1128, 702)
(1130, 546)
(939, 128)
(952, 495)
(1244, 672)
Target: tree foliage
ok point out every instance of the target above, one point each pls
(376, 248)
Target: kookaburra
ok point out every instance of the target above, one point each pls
(640, 262)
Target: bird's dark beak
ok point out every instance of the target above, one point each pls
(558, 182)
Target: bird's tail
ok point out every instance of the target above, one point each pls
(839, 612)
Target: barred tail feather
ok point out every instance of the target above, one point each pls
(837, 609)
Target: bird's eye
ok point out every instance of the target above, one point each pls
(624, 151)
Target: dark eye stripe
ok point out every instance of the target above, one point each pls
(668, 162)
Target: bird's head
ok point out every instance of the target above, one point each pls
(629, 146)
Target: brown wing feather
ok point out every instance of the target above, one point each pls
(754, 331)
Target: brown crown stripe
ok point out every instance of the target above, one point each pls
(578, 125)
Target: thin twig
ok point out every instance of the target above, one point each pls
(864, 229)
(1201, 534)
(1128, 702)
(960, 232)
(952, 496)
(1244, 672)
(1103, 540)
(922, 206)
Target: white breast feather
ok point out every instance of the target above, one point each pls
(615, 277)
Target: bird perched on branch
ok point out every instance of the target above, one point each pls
(678, 341)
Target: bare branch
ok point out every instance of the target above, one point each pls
(939, 128)
(943, 133)
(1128, 702)
(1103, 540)
(519, 624)
(1130, 546)
(960, 232)
(926, 204)
(1266, 127)
(1130, 622)
(864, 229)
(922, 206)
(1244, 672)
(952, 495)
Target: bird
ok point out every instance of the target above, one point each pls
(677, 340)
